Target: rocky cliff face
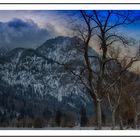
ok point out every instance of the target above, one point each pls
(33, 80)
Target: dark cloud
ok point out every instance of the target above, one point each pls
(19, 33)
(17, 24)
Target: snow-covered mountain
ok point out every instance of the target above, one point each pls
(39, 79)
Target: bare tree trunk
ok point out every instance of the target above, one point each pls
(121, 123)
(99, 115)
(113, 119)
(135, 121)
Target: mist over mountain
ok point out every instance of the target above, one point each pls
(23, 33)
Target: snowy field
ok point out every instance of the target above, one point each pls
(65, 128)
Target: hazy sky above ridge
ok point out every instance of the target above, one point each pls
(32, 28)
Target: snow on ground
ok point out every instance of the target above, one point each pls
(64, 128)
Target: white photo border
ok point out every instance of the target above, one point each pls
(69, 133)
(70, 1)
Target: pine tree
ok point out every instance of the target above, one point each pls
(84, 118)
(58, 117)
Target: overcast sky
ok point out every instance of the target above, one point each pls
(32, 28)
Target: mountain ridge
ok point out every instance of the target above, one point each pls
(31, 75)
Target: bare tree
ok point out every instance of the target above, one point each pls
(115, 90)
(103, 24)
